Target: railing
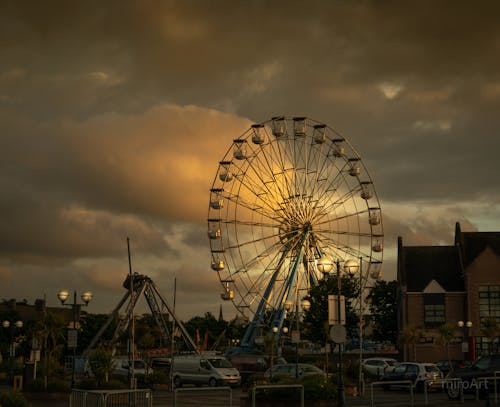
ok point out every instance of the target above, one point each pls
(111, 398)
(409, 384)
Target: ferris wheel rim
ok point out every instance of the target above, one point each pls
(245, 298)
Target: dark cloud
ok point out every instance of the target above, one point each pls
(113, 118)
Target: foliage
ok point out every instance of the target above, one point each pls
(51, 329)
(199, 327)
(383, 309)
(90, 326)
(54, 385)
(90, 383)
(101, 364)
(446, 336)
(13, 399)
(410, 336)
(317, 315)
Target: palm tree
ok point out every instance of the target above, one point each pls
(51, 329)
(101, 364)
(490, 329)
(446, 336)
(411, 335)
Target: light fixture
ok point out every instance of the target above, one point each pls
(351, 267)
(306, 305)
(86, 297)
(325, 265)
(63, 295)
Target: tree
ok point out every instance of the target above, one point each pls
(101, 364)
(411, 335)
(206, 327)
(383, 310)
(90, 325)
(446, 335)
(51, 329)
(314, 319)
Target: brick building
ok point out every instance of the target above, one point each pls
(444, 285)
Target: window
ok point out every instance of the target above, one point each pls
(489, 302)
(434, 310)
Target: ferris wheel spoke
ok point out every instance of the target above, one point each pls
(288, 192)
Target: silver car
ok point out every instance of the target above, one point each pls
(379, 366)
(290, 370)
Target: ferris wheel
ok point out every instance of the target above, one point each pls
(291, 198)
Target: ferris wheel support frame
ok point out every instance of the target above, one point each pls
(289, 194)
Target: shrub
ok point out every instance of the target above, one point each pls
(319, 388)
(13, 399)
(90, 383)
(53, 385)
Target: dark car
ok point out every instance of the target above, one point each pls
(446, 366)
(420, 374)
(474, 378)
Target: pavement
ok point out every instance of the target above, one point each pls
(199, 398)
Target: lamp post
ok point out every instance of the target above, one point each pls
(295, 335)
(350, 267)
(12, 346)
(86, 297)
(465, 342)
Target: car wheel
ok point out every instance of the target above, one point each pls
(212, 382)
(452, 391)
(419, 386)
(177, 382)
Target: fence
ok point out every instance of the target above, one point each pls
(111, 398)
(405, 383)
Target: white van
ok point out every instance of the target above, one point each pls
(200, 369)
(121, 366)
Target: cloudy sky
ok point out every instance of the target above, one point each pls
(114, 115)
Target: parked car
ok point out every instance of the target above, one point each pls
(249, 364)
(445, 366)
(289, 370)
(473, 378)
(204, 369)
(420, 374)
(378, 366)
(122, 366)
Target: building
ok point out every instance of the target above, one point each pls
(453, 286)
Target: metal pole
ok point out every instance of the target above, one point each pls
(74, 306)
(131, 323)
(298, 339)
(361, 387)
(340, 384)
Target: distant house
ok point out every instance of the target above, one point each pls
(449, 285)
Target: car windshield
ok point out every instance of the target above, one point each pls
(218, 363)
(482, 363)
(392, 362)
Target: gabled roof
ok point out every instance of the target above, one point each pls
(419, 265)
(474, 243)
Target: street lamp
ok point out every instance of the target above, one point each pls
(12, 345)
(351, 267)
(86, 297)
(295, 335)
(465, 342)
